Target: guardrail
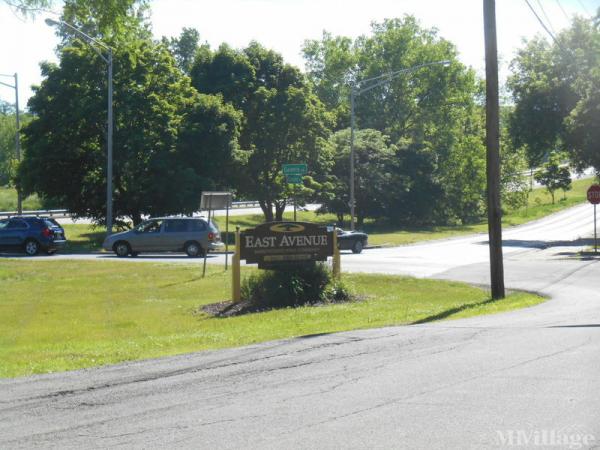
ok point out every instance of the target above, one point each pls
(60, 213)
(63, 213)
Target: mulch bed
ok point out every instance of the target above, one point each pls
(230, 308)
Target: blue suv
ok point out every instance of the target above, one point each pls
(31, 235)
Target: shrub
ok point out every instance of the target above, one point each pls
(293, 287)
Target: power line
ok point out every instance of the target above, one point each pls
(584, 7)
(546, 16)
(562, 9)
(542, 23)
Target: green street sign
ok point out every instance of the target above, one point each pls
(294, 179)
(295, 169)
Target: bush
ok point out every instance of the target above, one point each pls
(283, 288)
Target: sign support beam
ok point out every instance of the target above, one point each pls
(235, 269)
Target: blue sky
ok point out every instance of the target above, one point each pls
(284, 25)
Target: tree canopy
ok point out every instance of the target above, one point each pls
(283, 121)
(153, 104)
(555, 91)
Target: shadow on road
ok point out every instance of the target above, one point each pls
(588, 325)
(452, 311)
(156, 256)
(543, 244)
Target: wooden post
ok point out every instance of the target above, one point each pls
(492, 109)
(337, 264)
(227, 233)
(235, 269)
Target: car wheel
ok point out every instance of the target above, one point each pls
(357, 247)
(193, 249)
(122, 249)
(32, 247)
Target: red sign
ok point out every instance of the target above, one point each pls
(593, 194)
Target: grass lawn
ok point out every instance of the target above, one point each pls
(62, 315)
(83, 238)
(8, 200)
(539, 205)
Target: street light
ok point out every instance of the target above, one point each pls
(18, 137)
(109, 141)
(357, 90)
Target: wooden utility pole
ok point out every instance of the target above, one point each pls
(492, 126)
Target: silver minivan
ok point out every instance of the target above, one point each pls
(192, 235)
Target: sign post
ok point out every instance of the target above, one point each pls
(217, 200)
(293, 175)
(336, 257)
(235, 269)
(593, 196)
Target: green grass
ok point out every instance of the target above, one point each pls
(62, 315)
(83, 238)
(381, 233)
(8, 200)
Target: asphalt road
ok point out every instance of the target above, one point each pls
(528, 378)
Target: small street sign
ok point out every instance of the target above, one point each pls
(293, 179)
(295, 169)
(593, 194)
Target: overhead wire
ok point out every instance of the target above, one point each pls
(550, 33)
(563, 10)
(584, 7)
(546, 16)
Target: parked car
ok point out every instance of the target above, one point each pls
(192, 235)
(352, 240)
(31, 235)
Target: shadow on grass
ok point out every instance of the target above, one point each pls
(452, 311)
(85, 242)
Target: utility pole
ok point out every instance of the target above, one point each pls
(492, 126)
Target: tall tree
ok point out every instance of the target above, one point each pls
(184, 48)
(427, 113)
(374, 175)
(152, 101)
(283, 121)
(554, 87)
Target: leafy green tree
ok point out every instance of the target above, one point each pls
(554, 87)
(29, 7)
(184, 48)
(283, 121)
(583, 126)
(8, 157)
(66, 157)
(429, 114)
(7, 148)
(111, 21)
(374, 172)
(553, 175)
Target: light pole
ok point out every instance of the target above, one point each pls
(354, 92)
(109, 139)
(18, 133)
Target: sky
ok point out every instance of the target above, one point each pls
(284, 25)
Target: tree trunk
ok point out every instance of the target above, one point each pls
(267, 210)
(279, 209)
(340, 218)
(360, 219)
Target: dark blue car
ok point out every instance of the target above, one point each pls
(31, 235)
